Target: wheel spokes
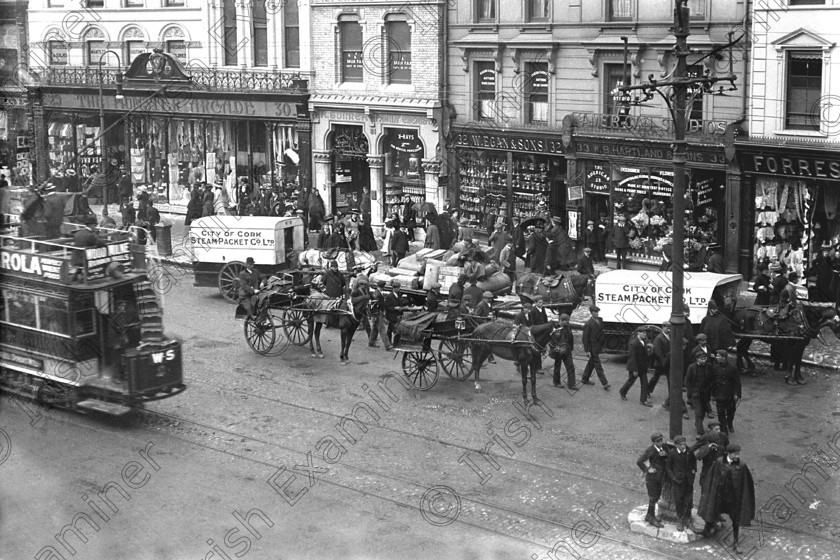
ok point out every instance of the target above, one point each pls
(259, 333)
(296, 326)
(455, 358)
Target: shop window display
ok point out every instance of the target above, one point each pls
(487, 184)
(783, 212)
(403, 169)
(646, 200)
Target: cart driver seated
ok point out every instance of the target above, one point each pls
(250, 283)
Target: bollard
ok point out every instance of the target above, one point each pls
(164, 239)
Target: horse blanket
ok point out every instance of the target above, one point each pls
(326, 308)
(496, 333)
(411, 328)
(768, 320)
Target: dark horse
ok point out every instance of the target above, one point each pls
(795, 333)
(522, 345)
(44, 215)
(556, 289)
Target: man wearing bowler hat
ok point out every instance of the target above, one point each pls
(652, 463)
(562, 346)
(593, 344)
(250, 283)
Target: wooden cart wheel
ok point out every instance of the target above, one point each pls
(229, 280)
(281, 341)
(420, 368)
(455, 359)
(260, 334)
(296, 326)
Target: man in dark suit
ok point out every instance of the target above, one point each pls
(726, 389)
(637, 367)
(250, 282)
(523, 318)
(715, 263)
(655, 456)
(593, 344)
(399, 243)
(662, 365)
(518, 238)
(562, 344)
(717, 328)
(682, 467)
(585, 265)
(393, 310)
(698, 386)
(620, 236)
(538, 317)
(762, 286)
(707, 449)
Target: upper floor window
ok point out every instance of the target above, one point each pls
(55, 3)
(621, 10)
(399, 52)
(95, 3)
(616, 102)
(133, 3)
(180, 3)
(132, 49)
(291, 29)
(485, 90)
(807, 2)
(178, 49)
(485, 10)
(697, 9)
(804, 90)
(95, 49)
(536, 92)
(57, 53)
(696, 71)
(538, 10)
(260, 34)
(231, 47)
(352, 66)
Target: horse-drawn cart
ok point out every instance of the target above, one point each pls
(429, 342)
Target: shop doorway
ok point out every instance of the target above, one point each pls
(349, 167)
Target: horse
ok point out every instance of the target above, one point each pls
(522, 345)
(567, 288)
(798, 328)
(44, 214)
(337, 313)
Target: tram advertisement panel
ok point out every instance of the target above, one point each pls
(99, 258)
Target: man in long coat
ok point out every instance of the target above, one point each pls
(730, 490)
(537, 247)
(717, 328)
(593, 345)
(682, 467)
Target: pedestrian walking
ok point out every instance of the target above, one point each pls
(662, 366)
(561, 348)
(698, 386)
(399, 244)
(507, 260)
(637, 367)
(653, 463)
(701, 347)
(762, 286)
(538, 317)
(717, 328)
(620, 236)
(682, 468)
(731, 491)
(376, 312)
(707, 450)
(593, 345)
(726, 390)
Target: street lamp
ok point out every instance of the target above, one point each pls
(119, 95)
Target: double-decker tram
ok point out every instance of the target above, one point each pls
(82, 326)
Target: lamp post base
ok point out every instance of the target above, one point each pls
(669, 532)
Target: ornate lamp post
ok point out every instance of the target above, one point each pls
(679, 92)
(104, 158)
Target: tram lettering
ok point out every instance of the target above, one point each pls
(159, 357)
(29, 264)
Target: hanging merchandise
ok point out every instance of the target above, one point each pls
(138, 165)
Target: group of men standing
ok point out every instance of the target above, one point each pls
(726, 483)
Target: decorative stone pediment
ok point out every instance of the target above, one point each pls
(802, 39)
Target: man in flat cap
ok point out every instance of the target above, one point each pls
(652, 463)
(702, 347)
(682, 467)
(433, 298)
(376, 314)
(334, 282)
(561, 348)
(717, 328)
(593, 345)
(707, 449)
(698, 385)
(730, 490)
(726, 390)
(637, 367)
(662, 365)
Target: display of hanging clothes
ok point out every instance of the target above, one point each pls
(174, 172)
(138, 165)
(783, 198)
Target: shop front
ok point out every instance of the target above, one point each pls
(170, 136)
(518, 173)
(388, 152)
(793, 196)
(634, 178)
(15, 135)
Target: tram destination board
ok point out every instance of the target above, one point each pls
(99, 258)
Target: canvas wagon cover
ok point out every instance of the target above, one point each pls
(221, 239)
(644, 297)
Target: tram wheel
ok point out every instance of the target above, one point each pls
(229, 279)
(420, 368)
(455, 359)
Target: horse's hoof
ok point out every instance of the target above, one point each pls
(477, 388)
(320, 355)
(314, 355)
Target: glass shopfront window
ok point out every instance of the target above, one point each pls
(403, 168)
(645, 197)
